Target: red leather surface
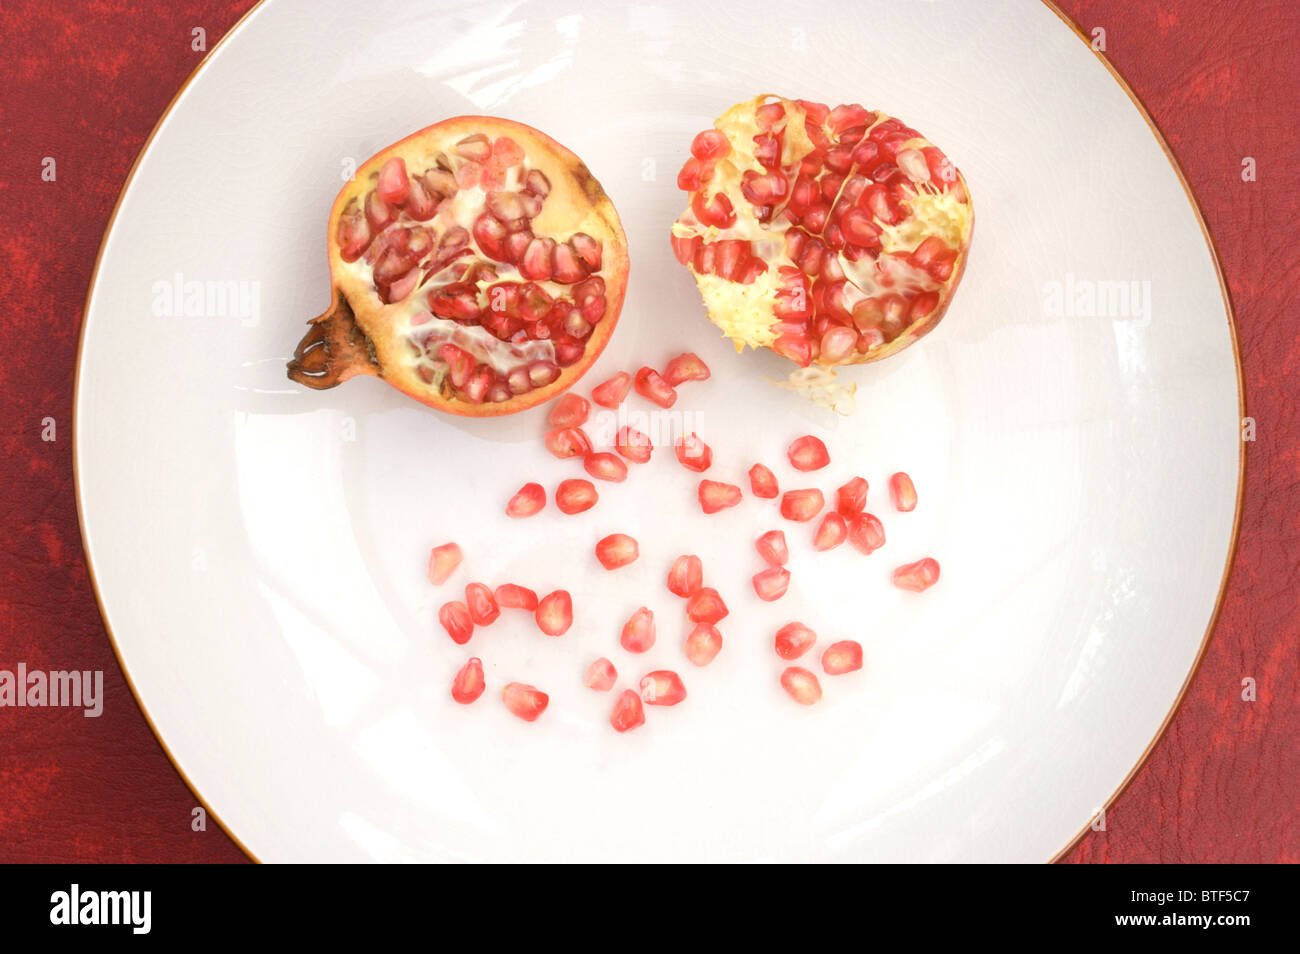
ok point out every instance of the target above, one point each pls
(84, 82)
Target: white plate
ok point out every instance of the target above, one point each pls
(259, 548)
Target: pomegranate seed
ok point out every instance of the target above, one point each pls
(808, 453)
(483, 609)
(566, 442)
(663, 687)
(771, 584)
(569, 411)
(771, 547)
(693, 453)
(654, 388)
(710, 144)
(866, 532)
(633, 445)
(554, 613)
(831, 532)
(801, 505)
(903, 492)
(703, 643)
(685, 576)
(443, 561)
(616, 550)
(715, 495)
(528, 500)
(686, 367)
(393, 184)
(793, 640)
(852, 497)
(639, 631)
(706, 606)
(456, 620)
(763, 482)
(525, 701)
(917, 576)
(469, 683)
(576, 495)
(628, 713)
(844, 656)
(601, 675)
(612, 393)
(605, 466)
(802, 685)
(513, 596)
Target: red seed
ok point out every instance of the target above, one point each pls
(612, 393)
(703, 643)
(762, 482)
(663, 687)
(706, 606)
(605, 466)
(456, 620)
(628, 713)
(844, 656)
(601, 675)
(554, 613)
(866, 532)
(616, 550)
(686, 367)
(808, 453)
(852, 497)
(903, 492)
(443, 561)
(771, 584)
(715, 495)
(802, 685)
(525, 701)
(575, 495)
(793, 640)
(571, 410)
(685, 576)
(639, 631)
(801, 505)
(469, 683)
(483, 609)
(710, 144)
(772, 548)
(513, 596)
(917, 576)
(528, 500)
(693, 453)
(652, 387)
(566, 442)
(831, 532)
(393, 184)
(633, 445)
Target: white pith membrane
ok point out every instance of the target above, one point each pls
(845, 234)
(452, 263)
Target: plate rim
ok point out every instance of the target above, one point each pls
(1138, 104)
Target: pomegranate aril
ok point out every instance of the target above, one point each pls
(575, 496)
(514, 596)
(717, 211)
(605, 466)
(715, 495)
(528, 500)
(654, 388)
(685, 576)
(793, 640)
(569, 411)
(526, 702)
(802, 685)
(844, 656)
(831, 532)
(628, 712)
(469, 683)
(693, 453)
(917, 576)
(703, 644)
(393, 184)
(639, 631)
(693, 174)
(455, 619)
(443, 561)
(801, 505)
(837, 344)
(808, 453)
(663, 687)
(762, 482)
(852, 497)
(588, 249)
(554, 613)
(483, 609)
(686, 367)
(903, 492)
(866, 532)
(378, 214)
(611, 393)
(706, 606)
(633, 445)
(566, 442)
(771, 546)
(772, 583)
(568, 268)
(616, 550)
(541, 373)
(601, 675)
(710, 144)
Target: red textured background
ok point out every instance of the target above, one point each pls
(84, 82)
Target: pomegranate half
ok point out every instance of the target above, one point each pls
(476, 265)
